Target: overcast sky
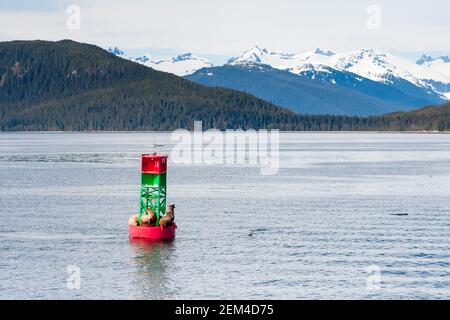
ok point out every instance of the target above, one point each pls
(218, 29)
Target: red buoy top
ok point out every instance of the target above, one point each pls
(154, 163)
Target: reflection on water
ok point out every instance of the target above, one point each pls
(153, 263)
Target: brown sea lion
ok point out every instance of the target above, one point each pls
(149, 218)
(133, 221)
(169, 217)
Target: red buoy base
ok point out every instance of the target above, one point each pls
(152, 232)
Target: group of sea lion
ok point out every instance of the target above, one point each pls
(149, 218)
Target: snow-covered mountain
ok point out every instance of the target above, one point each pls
(387, 68)
(328, 91)
(437, 66)
(360, 82)
(281, 60)
(181, 65)
(426, 59)
(430, 74)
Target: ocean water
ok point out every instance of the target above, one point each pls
(348, 216)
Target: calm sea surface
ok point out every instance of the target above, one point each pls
(330, 224)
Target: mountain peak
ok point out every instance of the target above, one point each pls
(446, 59)
(183, 57)
(327, 53)
(143, 59)
(424, 59)
(253, 55)
(116, 51)
(257, 49)
(370, 52)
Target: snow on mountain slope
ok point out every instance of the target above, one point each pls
(432, 75)
(181, 65)
(258, 55)
(438, 66)
(380, 66)
(281, 60)
(317, 57)
(369, 63)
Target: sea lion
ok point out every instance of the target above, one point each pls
(149, 218)
(169, 217)
(133, 221)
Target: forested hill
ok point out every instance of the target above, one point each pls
(67, 85)
(431, 118)
(71, 86)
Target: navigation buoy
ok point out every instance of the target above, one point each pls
(152, 232)
(153, 196)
